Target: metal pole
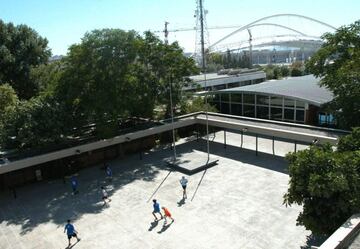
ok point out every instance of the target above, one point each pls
(256, 144)
(204, 72)
(295, 146)
(225, 139)
(273, 145)
(242, 139)
(172, 119)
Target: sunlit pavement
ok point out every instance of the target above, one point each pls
(236, 204)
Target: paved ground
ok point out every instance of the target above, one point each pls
(236, 204)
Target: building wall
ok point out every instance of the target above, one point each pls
(261, 106)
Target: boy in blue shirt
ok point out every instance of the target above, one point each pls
(156, 207)
(70, 231)
(74, 184)
(108, 172)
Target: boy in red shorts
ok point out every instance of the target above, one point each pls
(167, 214)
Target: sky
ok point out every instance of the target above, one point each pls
(64, 22)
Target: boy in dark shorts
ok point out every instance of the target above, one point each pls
(156, 207)
(183, 182)
(71, 232)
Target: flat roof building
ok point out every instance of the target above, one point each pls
(235, 78)
(297, 99)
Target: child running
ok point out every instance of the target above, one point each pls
(156, 207)
(71, 232)
(167, 214)
(183, 182)
(105, 195)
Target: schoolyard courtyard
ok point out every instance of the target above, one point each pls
(235, 204)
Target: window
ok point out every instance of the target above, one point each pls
(276, 113)
(289, 114)
(225, 97)
(262, 100)
(249, 99)
(249, 111)
(300, 115)
(216, 98)
(289, 103)
(236, 109)
(276, 101)
(262, 112)
(236, 97)
(225, 108)
(300, 104)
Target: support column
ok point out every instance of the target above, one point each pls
(273, 145)
(242, 139)
(225, 139)
(295, 146)
(256, 144)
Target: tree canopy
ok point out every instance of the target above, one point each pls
(326, 183)
(337, 63)
(21, 48)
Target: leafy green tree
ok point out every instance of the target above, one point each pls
(196, 104)
(337, 63)
(34, 124)
(285, 71)
(21, 48)
(8, 98)
(297, 69)
(47, 76)
(326, 183)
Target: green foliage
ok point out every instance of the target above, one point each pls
(196, 104)
(297, 69)
(337, 63)
(8, 98)
(21, 48)
(326, 183)
(273, 72)
(285, 71)
(33, 124)
(47, 76)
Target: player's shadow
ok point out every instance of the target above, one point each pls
(72, 246)
(181, 202)
(165, 227)
(153, 225)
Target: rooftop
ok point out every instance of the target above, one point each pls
(305, 88)
(226, 207)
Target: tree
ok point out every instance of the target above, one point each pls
(196, 104)
(326, 183)
(285, 71)
(8, 98)
(337, 63)
(21, 49)
(35, 123)
(297, 69)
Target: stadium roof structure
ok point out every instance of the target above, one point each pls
(304, 88)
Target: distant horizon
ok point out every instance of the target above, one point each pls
(64, 23)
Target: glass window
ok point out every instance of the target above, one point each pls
(217, 97)
(289, 103)
(236, 109)
(236, 84)
(276, 113)
(219, 87)
(217, 105)
(236, 97)
(249, 99)
(225, 108)
(225, 97)
(262, 100)
(262, 112)
(300, 115)
(289, 114)
(249, 111)
(300, 104)
(276, 101)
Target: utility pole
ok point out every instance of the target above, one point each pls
(250, 48)
(166, 32)
(202, 33)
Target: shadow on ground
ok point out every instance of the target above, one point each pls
(34, 206)
(53, 201)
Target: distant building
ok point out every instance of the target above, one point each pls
(297, 100)
(232, 78)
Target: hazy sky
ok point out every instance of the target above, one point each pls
(64, 22)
